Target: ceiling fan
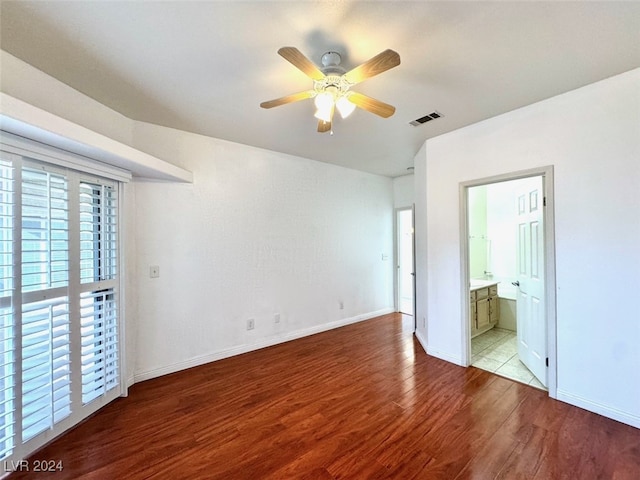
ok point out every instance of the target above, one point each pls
(332, 83)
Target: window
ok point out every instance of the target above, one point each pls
(59, 321)
(98, 312)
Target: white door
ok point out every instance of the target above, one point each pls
(530, 307)
(405, 261)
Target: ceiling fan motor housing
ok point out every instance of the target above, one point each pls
(334, 80)
(331, 64)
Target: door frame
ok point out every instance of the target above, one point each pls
(546, 172)
(396, 282)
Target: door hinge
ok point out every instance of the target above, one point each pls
(544, 201)
(547, 361)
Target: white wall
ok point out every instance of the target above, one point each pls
(403, 191)
(592, 137)
(259, 233)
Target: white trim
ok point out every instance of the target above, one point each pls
(46, 294)
(267, 342)
(18, 447)
(396, 274)
(445, 356)
(396, 259)
(54, 156)
(463, 205)
(546, 172)
(598, 408)
(448, 357)
(125, 382)
(99, 285)
(75, 310)
(421, 339)
(550, 280)
(414, 267)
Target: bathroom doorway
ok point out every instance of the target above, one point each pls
(507, 266)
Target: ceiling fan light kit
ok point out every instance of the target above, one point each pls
(331, 85)
(344, 106)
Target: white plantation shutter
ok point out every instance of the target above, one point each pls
(98, 268)
(46, 393)
(110, 233)
(7, 379)
(7, 328)
(45, 230)
(98, 232)
(59, 290)
(99, 344)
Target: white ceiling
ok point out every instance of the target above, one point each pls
(205, 67)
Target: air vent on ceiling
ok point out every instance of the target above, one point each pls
(427, 118)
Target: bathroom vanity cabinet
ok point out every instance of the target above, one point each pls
(484, 307)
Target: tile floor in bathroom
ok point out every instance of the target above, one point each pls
(497, 351)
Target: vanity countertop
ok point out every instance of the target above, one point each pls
(478, 284)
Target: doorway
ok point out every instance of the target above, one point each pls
(405, 291)
(508, 276)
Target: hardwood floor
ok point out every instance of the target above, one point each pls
(360, 402)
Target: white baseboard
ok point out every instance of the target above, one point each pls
(598, 408)
(445, 356)
(265, 342)
(561, 395)
(436, 353)
(422, 340)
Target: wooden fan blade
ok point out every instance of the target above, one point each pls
(288, 99)
(371, 104)
(324, 126)
(378, 64)
(302, 63)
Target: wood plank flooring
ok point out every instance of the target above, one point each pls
(359, 402)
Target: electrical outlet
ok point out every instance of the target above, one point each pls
(154, 271)
(341, 304)
(276, 318)
(251, 324)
